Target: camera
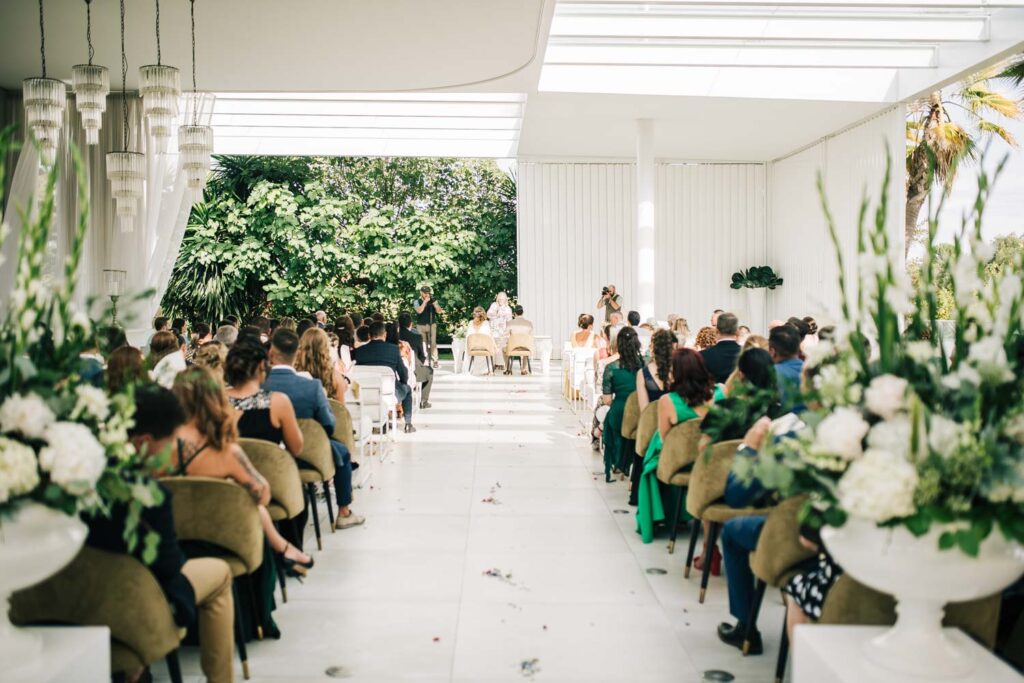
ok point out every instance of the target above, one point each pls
(604, 291)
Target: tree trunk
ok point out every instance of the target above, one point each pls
(917, 193)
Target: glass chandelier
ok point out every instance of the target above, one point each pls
(44, 99)
(160, 87)
(126, 170)
(91, 85)
(195, 141)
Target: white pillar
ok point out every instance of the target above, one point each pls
(644, 300)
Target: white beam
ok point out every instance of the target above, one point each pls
(645, 242)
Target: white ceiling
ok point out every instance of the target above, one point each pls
(730, 80)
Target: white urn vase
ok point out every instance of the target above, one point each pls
(36, 541)
(757, 298)
(922, 578)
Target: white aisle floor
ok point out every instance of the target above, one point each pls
(498, 477)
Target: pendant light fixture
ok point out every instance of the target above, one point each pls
(195, 141)
(91, 85)
(160, 87)
(44, 99)
(126, 170)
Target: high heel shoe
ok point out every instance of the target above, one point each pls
(296, 566)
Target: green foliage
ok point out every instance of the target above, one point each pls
(287, 236)
(756, 277)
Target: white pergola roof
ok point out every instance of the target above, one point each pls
(722, 80)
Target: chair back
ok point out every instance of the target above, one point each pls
(219, 512)
(520, 344)
(709, 476)
(680, 449)
(316, 448)
(279, 469)
(646, 426)
(778, 548)
(631, 417)
(342, 424)
(100, 588)
(478, 344)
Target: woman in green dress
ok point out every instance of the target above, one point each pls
(617, 383)
(692, 395)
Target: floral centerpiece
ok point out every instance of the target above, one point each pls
(64, 447)
(913, 453)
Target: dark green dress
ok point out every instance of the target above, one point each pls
(618, 383)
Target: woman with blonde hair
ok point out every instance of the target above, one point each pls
(755, 341)
(212, 356)
(681, 329)
(208, 447)
(479, 324)
(314, 357)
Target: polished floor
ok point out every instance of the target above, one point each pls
(494, 551)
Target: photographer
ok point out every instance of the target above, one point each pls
(611, 301)
(427, 310)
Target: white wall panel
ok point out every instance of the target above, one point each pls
(852, 164)
(576, 234)
(709, 224)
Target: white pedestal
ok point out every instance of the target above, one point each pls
(833, 653)
(542, 346)
(458, 353)
(71, 654)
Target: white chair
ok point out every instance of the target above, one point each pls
(378, 397)
(362, 422)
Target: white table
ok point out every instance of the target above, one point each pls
(833, 653)
(71, 654)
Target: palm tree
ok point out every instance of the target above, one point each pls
(937, 143)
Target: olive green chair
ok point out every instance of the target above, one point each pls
(319, 467)
(343, 428)
(646, 427)
(704, 501)
(630, 417)
(678, 454)
(221, 515)
(99, 588)
(287, 499)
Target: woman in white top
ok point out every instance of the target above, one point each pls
(499, 314)
(479, 324)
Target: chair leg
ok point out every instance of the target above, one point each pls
(173, 666)
(709, 548)
(279, 568)
(243, 656)
(694, 534)
(311, 497)
(676, 512)
(330, 507)
(469, 370)
(254, 605)
(529, 365)
(780, 664)
(755, 609)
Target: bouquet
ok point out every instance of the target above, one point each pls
(905, 427)
(63, 442)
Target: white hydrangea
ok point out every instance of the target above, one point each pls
(818, 353)
(920, 351)
(91, 401)
(944, 435)
(1014, 428)
(988, 357)
(18, 471)
(878, 487)
(81, 320)
(27, 415)
(886, 396)
(841, 434)
(73, 457)
(891, 436)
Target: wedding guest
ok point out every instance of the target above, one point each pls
(160, 324)
(479, 324)
(652, 382)
(744, 334)
(262, 414)
(784, 346)
(755, 341)
(232, 320)
(499, 314)
(519, 324)
(357, 320)
(378, 352)
(200, 335)
(706, 338)
(314, 357)
(321, 319)
(212, 356)
(827, 333)
(262, 325)
(226, 335)
(617, 384)
(424, 373)
(287, 324)
(681, 329)
(362, 336)
(714, 317)
(200, 587)
(112, 337)
(346, 330)
(165, 358)
(644, 335)
(179, 327)
(583, 337)
(125, 366)
(720, 359)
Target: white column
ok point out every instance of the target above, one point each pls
(644, 299)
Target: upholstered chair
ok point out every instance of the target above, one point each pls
(678, 454)
(316, 454)
(519, 346)
(631, 417)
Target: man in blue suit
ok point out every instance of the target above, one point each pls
(378, 352)
(310, 401)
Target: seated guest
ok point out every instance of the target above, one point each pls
(320, 317)
(309, 400)
(755, 341)
(652, 381)
(642, 333)
(232, 320)
(125, 367)
(226, 335)
(681, 329)
(286, 324)
(314, 358)
(424, 373)
(90, 364)
(720, 359)
(160, 324)
(362, 336)
(261, 323)
(584, 337)
(617, 384)
(714, 317)
(743, 335)
(179, 327)
(357, 320)
(519, 324)
(200, 335)
(346, 331)
(784, 345)
(378, 352)
(112, 337)
(692, 395)
(262, 414)
(803, 329)
(250, 332)
(304, 325)
(212, 356)
(198, 587)
(705, 339)
(208, 447)
(805, 593)
(165, 358)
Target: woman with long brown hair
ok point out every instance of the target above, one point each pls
(314, 357)
(692, 394)
(125, 366)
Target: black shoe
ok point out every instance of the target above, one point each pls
(424, 405)
(409, 429)
(355, 466)
(733, 635)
